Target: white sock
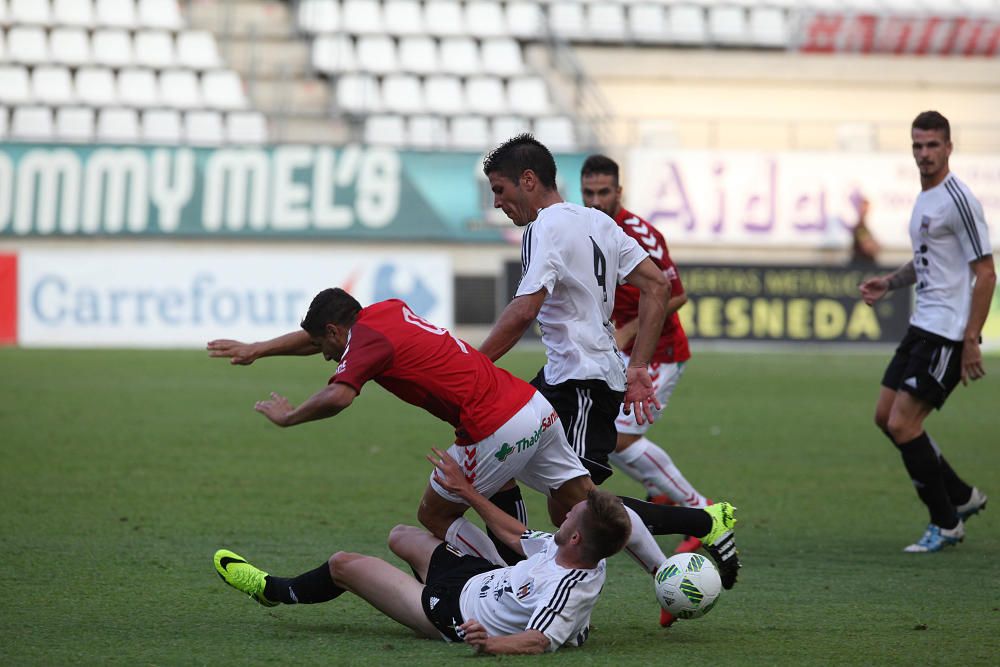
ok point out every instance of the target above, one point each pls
(642, 547)
(472, 540)
(648, 464)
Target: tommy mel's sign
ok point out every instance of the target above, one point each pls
(787, 303)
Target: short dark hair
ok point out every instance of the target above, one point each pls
(331, 306)
(605, 527)
(600, 164)
(932, 120)
(518, 154)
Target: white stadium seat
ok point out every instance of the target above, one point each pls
(485, 19)
(418, 55)
(485, 95)
(246, 127)
(154, 48)
(28, 45)
(528, 96)
(402, 93)
(115, 13)
(318, 16)
(505, 127)
(51, 85)
(566, 19)
(403, 17)
(469, 133)
(223, 89)
(75, 124)
(377, 54)
(161, 14)
(197, 49)
(769, 27)
(161, 126)
(32, 124)
(727, 25)
(179, 89)
(443, 17)
(460, 55)
(73, 13)
(362, 17)
(647, 22)
(426, 132)
(3, 122)
(358, 93)
(96, 86)
(556, 132)
(29, 12)
(332, 54)
(502, 56)
(443, 94)
(686, 24)
(137, 88)
(385, 130)
(3, 45)
(525, 19)
(69, 46)
(111, 48)
(14, 85)
(203, 128)
(606, 22)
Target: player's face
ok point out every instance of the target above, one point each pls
(930, 152)
(512, 199)
(332, 344)
(571, 525)
(601, 191)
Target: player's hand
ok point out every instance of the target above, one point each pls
(448, 473)
(241, 354)
(639, 394)
(276, 409)
(873, 289)
(972, 362)
(474, 635)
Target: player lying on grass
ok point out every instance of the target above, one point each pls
(504, 428)
(537, 605)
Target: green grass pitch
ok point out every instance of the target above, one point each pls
(123, 471)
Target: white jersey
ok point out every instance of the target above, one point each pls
(535, 594)
(948, 230)
(579, 256)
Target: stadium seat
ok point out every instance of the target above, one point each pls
(51, 85)
(115, 13)
(111, 48)
(160, 14)
(502, 56)
(223, 89)
(246, 127)
(403, 17)
(485, 95)
(203, 128)
(32, 124)
(69, 46)
(29, 12)
(318, 16)
(73, 13)
(443, 18)
(3, 45)
(485, 18)
(28, 45)
(426, 132)
(469, 133)
(161, 126)
(556, 132)
(566, 19)
(528, 96)
(14, 86)
(333, 54)
(402, 93)
(525, 20)
(606, 22)
(418, 55)
(505, 127)
(769, 27)
(197, 49)
(362, 17)
(75, 124)
(3, 122)
(179, 89)
(385, 130)
(686, 24)
(358, 93)
(444, 95)
(137, 88)
(154, 48)
(647, 23)
(377, 54)
(727, 25)
(460, 55)
(96, 86)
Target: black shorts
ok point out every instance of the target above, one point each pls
(588, 410)
(926, 366)
(447, 573)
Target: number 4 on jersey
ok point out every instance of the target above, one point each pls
(600, 268)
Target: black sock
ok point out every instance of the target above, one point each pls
(509, 501)
(924, 465)
(669, 519)
(308, 588)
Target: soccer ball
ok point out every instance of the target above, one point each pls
(687, 585)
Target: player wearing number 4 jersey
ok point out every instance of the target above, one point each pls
(954, 274)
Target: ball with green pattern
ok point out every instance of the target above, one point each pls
(687, 585)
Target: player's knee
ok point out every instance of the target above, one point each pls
(901, 429)
(398, 537)
(882, 420)
(339, 562)
(433, 521)
(625, 440)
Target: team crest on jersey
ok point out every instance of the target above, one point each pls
(525, 589)
(925, 224)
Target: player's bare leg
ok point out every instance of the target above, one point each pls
(446, 521)
(415, 546)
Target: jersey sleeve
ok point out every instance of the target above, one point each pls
(969, 224)
(564, 616)
(540, 261)
(368, 354)
(630, 254)
(534, 541)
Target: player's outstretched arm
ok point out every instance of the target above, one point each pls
(654, 293)
(294, 343)
(450, 476)
(513, 322)
(982, 294)
(529, 642)
(326, 402)
(875, 288)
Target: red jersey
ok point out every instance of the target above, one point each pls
(673, 344)
(428, 367)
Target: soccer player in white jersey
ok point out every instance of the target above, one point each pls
(537, 605)
(954, 274)
(572, 260)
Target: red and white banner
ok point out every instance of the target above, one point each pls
(915, 35)
(8, 299)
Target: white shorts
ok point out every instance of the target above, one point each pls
(531, 448)
(665, 378)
